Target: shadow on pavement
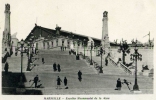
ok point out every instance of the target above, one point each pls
(11, 81)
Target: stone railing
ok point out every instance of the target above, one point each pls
(88, 60)
(126, 69)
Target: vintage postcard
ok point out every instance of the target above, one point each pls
(77, 49)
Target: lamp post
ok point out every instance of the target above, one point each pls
(135, 57)
(22, 43)
(78, 43)
(125, 49)
(91, 63)
(29, 59)
(84, 49)
(101, 52)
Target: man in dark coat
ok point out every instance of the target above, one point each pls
(58, 82)
(79, 75)
(36, 80)
(106, 61)
(54, 67)
(69, 52)
(65, 47)
(65, 81)
(58, 67)
(6, 67)
(61, 48)
(42, 60)
(118, 85)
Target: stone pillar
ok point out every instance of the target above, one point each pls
(59, 41)
(6, 40)
(105, 38)
(46, 46)
(71, 44)
(54, 42)
(68, 43)
(50, 44)
(65, 42)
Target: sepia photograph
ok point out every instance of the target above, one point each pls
(77, 49)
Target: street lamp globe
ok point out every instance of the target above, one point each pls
(22, 42)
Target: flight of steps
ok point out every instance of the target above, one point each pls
(68, 63)
(90, 84)
(110, 69)
(15, 63)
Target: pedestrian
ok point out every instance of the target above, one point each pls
(35, 51)
(61, 48)
(106, 61)
(58, 82)
(58, 67)
(65, 47)
(36, 79)
(80, 75)
(16, 53)
(118, 85)
(6, 68)
(65, 81)
(54, 67)
(43, 61)
(69, 52)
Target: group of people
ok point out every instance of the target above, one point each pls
(72, 51)
(36, 80)
(59, 82)
(63, 48)
(119, 84)
(56, 67)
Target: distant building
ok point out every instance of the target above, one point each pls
(45, 38)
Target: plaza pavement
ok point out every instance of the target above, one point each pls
(92, 82)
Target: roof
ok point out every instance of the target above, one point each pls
(45, 32)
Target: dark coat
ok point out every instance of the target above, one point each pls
(58, 67)
(54, 67)
(59, 81)
(79, 74)
(118, 83)
(65, 81)
(36, 79)
(6, 66)
(42, 59)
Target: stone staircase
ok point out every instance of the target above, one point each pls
(15, 64)
(92, 83)
(68, 63)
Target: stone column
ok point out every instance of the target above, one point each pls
(46, 46)
(59, 41)
(54, 42)
(105, 38)
(50, 44)
(65, 42)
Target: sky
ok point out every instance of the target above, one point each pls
(127, 19)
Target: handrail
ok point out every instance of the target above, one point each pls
(113, 61)
(126, 69)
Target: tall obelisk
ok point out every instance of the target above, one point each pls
(105, 39)
(6, 41)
